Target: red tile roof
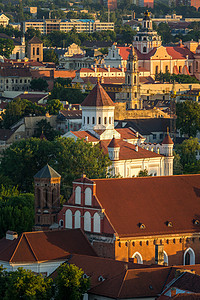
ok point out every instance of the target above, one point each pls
(98, 97)
(188, 282)
(44, 246)
(84, 134)
(127, 133)
(167, 140)
(113, 144)
(124, 52)
(177, 52)
(127, 150)
(153, 207)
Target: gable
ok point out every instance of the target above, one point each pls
(161, 53)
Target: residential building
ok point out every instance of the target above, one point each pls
(42, 251)
(76, 62)
(69, 120)
(35, 49)
(122, 221)
(15, 79)
(125, 147)
(83, 25)
(4, 20)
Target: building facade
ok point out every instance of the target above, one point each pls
(35, 49)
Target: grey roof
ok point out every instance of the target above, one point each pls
(47, 172)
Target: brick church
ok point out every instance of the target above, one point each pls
(151, 220)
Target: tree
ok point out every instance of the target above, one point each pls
(39, 84)
(17, 210)
(6, 47)
(51, 56)
(24, 284)
(3, 281)
(23, 159)
(31, 32)
(143, 173)
(188, 117)
(177, 166)
(70, 283)
(53, 106)
(44, 127)
(187, 151)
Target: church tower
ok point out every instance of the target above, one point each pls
(132, 94)
(167, 151)
(47, 197)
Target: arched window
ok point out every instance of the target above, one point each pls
(180, 69)
(68, 219)
(78, 195)
(128, 79)
(38, 197)
(110, 120)
(88, 120)
(97, 223)
(87, 221)
(137, 258)
(61, 223)
(189, 257)
(93, 120)
(88, 196)
(38, 51)
(135, 106)
(144, 49)
(135, 79)
(105, 120)
(99, 120)
(77, 219)
(165, 258)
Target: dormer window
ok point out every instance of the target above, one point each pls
(196, 222)
(101, 278)
(142, 226)
(169, 224)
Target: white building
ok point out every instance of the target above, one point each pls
(4, 21)
(125, 147)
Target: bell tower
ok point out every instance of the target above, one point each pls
(47, 198)
(132, 82)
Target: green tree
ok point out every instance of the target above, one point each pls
(187, 151)
(51, 56)
(143, 173)
(16, 210)
(44, 127)
(24, 284)
(6, 47)
(31, 32)
(70, 283)
(177, 165)
(3, 281)
(53, 106)
(39, 84)
(188, 117)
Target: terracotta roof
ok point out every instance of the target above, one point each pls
(113, 144)
(15, 72)
(44, 246)
(126, 133)
(127, 150)
(35, 40)
(188, 282)
(98, 97)
(177, 52)
(32, 97)
(134, 283)
(153, 208)
(124, 52)
(167, 140)
(83, 134)
(47, 172)
(99, 70)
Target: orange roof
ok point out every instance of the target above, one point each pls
(45, 245)
(113, 143)
(127, 133)
(167, 140)
(177, 52)
(124, 52)
(165, 196)
(98, 97)
(127, 150)
(84, 134)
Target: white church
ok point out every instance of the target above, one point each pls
(125, 147)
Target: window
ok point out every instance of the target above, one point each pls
(38, 197)
(38, 51)
(110, 120)
(97, 223)
(154, 136)
(137, 258)
(180, 69)
(135, 79)
(77, 219)
(135, 106)
(166, 69)
(165, 258)
(128, 79)
(68, 219)
(161, 135)
(78, 195)
(190, 69)
(88, 120)
(189, 257)
(93, 120)
(33, 51)
(88, 196)
(105, 120)
(144, 49)
(196, 65)
(61, 223)
(99, 120)
(156, 70)
(87, 221)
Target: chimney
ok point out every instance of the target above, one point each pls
(136, 148)
(11, 235)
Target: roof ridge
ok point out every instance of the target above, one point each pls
(31, 247)
(125, 275)
(16, 247)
